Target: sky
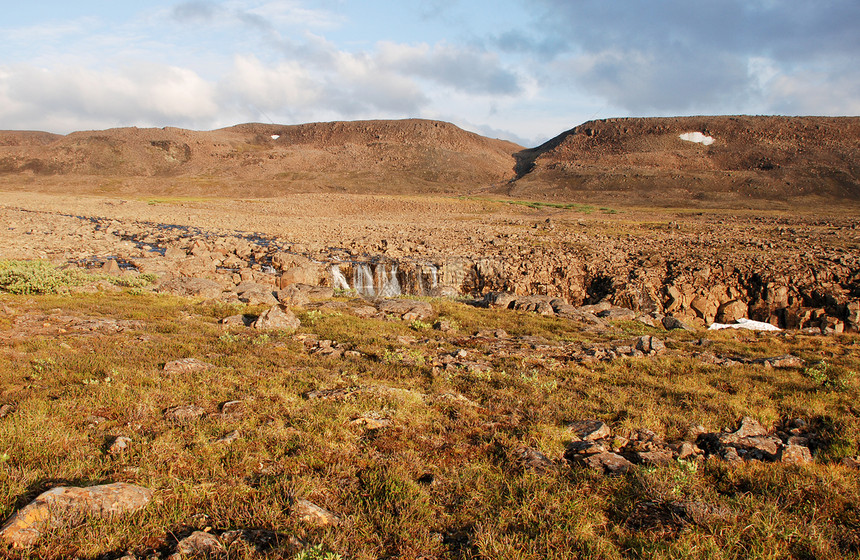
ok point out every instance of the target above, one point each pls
(522, 70)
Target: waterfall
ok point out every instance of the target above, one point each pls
(434, 276)
(338, 280)
(362, 279)
(390, 286)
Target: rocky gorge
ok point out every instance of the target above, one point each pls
(790, 271)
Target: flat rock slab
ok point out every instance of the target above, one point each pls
(313, 514)
(63, 504)
(184, 413)
(187, 365)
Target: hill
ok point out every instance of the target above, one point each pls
(735, 161)
(414, 156)
(645, 160)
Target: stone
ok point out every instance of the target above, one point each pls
(649, 344)
(6, 410)
(298, 275)
(186, 365)
(111, 267)
(240, 320)
(184, 413)
(585, 447)
(65, 504)
(851, 462)
(685, 450)
(228, 438)
(277, 317)
(192, 287)
(259, 296)
(749, 427)
(371, 422)
(795, 454)
(406, 309)
(589, 429)
(119, 445)
(310, 513)
(781, 362)
(762, 448)
(731, 311)
(236, 409)
(532, 459)
(654, 458)
(292, 296)
(608, 463)
(705, 308)
(199, 545)
(671, 323)
(498, 300)
(617, 314)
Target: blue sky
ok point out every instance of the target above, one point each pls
(515, 69)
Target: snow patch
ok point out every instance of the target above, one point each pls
(697, 137)
(275, 136)
(748, 324)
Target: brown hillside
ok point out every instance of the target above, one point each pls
(643, 160)
(259, 159)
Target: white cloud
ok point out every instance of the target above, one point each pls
(83, 97)
(285, 84)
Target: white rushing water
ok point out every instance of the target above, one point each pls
(338, 280)
(389, 285)
(362, 279)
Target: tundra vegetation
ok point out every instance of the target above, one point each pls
(414, 454)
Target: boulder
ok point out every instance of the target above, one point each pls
(731, 311)
(65, 504)
(498, 300)
(277, 317)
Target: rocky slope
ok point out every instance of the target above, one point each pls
(380, 156)
(645, 160)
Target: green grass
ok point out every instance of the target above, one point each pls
(441, 481)
(41, 277)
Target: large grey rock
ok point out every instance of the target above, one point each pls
(65, 504)
(277, 317)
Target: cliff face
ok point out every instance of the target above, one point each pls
(645, 160)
